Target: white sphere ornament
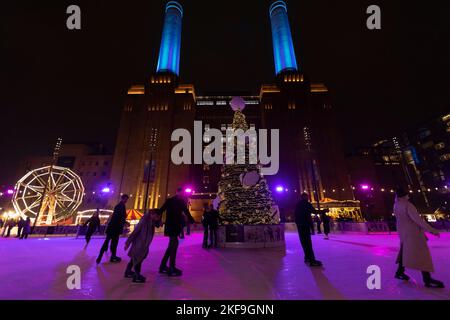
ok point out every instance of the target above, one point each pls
(237, 104)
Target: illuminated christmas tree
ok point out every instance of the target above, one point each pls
(244, 195)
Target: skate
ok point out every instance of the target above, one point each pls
(315, 263)
(115, 259)
(401, 276)
(432, 283)
(138, 278)
(163, 269)
(129, 274)
(174, 272)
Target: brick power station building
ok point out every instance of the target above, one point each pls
(311, 152)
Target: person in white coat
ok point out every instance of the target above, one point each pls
(414, 252)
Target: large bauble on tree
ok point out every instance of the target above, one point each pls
(245, 198)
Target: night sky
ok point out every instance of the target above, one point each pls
(71, 84)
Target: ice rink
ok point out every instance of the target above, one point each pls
(36, 269)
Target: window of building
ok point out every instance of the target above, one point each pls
(424, 133)
(439, 146)
(206, 167)
(427, 145)
(205, 179)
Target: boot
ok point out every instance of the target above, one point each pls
(138, 278)
(163, 269)
(430, 282)
(401, 275)
(315, 263)
(129, 274)
(115, 259)
(174, 272)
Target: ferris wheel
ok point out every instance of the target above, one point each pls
(50, 193)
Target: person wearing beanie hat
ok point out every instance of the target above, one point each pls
(414, 252)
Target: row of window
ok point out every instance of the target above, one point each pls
(96, 163)
(445, 157)
(291, 106)
(223, 103)
(94, 174)
(158, 108)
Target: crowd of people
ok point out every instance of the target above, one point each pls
(175, 216)
(23, 227)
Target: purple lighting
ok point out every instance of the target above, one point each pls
(188, 190)
(106, 190)
(279, 189)
(10, 191)
(365, 187)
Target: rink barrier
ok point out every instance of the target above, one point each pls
(251, 236)
(345, 226)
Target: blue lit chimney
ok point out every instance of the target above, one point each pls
(169, 52)
(283, 48)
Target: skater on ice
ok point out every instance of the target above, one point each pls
(303, 220)
(139, 242)
(114, 230)
(414, 252)
(93, 224)
(174, 208)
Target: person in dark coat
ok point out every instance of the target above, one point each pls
(140, 240)
(213, 226)
(11, 223)
(174, 207)
(26, 228)
(205, 223)
(20, 225)
(114, 230)
(93, 224)
(326, 223)
(303, 220)
(318, 221)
